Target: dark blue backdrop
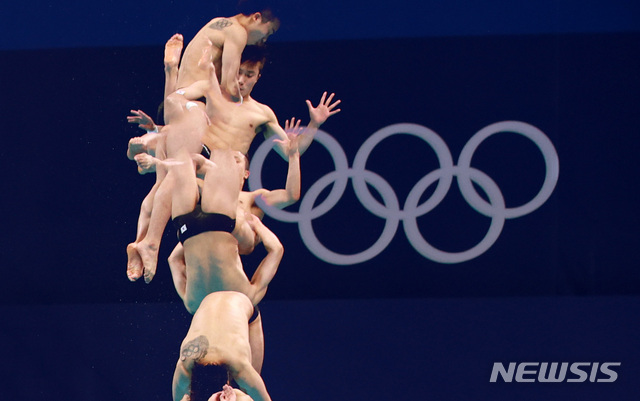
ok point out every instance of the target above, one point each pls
(559, 284)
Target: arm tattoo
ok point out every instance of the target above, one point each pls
(195, 349)
(220, 24)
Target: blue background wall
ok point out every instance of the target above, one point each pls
(559, 285)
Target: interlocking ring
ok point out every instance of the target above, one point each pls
(390, 210)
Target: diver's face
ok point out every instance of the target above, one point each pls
(260, 31)
(248, 75)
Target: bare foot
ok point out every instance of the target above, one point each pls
(146, 163)
(134, 262)
(136, 146)
(149, 255)
(172, 51)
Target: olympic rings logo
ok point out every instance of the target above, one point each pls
(390, 211)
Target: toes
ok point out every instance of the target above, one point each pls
(148, 275)
(134, 263)
(133, 275)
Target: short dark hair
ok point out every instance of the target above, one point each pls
(267, 8)
(207, 380)
(254, 54)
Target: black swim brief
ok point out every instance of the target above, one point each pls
(198, 222)
(206, 152)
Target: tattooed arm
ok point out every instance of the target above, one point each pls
(181, 381)
(235, 39)
(190, 352)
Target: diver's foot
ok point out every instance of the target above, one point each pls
(149, 255)
(172, 51)
(134, 262)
